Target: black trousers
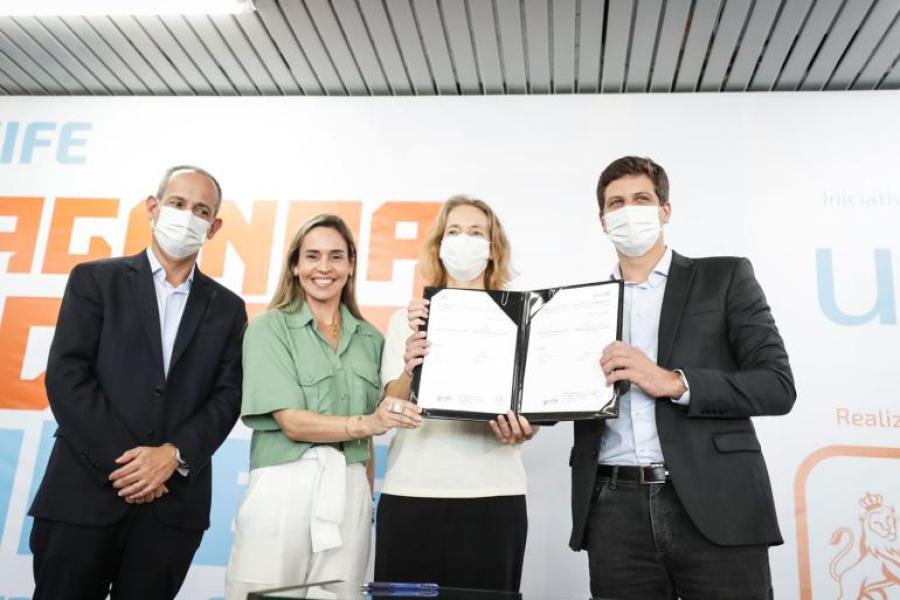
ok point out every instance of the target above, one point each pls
(455, 542)
(642, 545)
(136, 558)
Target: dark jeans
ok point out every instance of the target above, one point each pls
(643, 545)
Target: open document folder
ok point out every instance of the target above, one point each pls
(536, 353)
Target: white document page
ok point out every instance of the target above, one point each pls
(568, 334)
(470, 362)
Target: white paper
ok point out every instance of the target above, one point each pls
(567, 337)
(470, 362)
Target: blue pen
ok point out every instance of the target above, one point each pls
(401, 588)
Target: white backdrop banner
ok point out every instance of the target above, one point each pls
(803, 184)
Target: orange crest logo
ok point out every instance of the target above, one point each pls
(875, 565)
(836, 557)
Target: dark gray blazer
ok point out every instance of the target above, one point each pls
(715, 324)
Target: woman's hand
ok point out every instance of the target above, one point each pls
(416, 349)
(394, 412)
(512, 428)
(417, 312)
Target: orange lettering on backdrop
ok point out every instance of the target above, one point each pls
(65, 210)
(252, 241)
(137, 236)
(385, 247)
(19, 316)
(21, 240)
(254, 309)
(301, 211)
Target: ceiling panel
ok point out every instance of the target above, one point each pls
(648, 19)
(724, 45)
(282, 37)
(128, 53)
(881, 61)
(175, 52)
(54, 50)
(455, 24)
(590, 46)
(782, 39)
(536, 38)
(335, 42)
(837, 41)
(753, 42)
(865, 42)
(433, 34)
(483, 24)
(703, 21)
(161, 65)
(564, 22)
(441, 47)
(246, 54)
(615, 51)
(808, 42)
(359, 39)
(29, 55)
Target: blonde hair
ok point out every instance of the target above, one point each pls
(498, 272)
(289, 295)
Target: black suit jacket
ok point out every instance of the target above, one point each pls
(715, 324)
(108, 390)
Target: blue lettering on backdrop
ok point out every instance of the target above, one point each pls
(42, 134)
(10, 447)
(40, 465)
(885, 308)
(230, 462)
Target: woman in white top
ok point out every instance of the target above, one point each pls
(452, 508)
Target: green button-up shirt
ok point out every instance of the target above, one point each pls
(289, 364)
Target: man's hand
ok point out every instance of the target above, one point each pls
(146, 499)
(512, 428)
(623, 362)
(145, 470)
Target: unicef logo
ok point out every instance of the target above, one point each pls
(884, 309)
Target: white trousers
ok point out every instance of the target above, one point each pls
(272, 539)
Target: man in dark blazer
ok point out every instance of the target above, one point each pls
(144, 380)
(672, 498)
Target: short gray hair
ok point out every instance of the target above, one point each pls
(161, 190)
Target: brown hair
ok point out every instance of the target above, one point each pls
(289, 296)
(634, 165)
(498, 272)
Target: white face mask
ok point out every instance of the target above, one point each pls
(464, 256)
(633, 229)
(179, 233)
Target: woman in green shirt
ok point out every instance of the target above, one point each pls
(310, 392)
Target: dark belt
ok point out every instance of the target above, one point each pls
(647, 475)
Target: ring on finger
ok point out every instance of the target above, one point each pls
(395, 407)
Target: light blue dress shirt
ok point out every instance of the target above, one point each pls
(632, 439)
(171, 302)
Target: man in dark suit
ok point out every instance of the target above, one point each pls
(672, 498)
(144, 380)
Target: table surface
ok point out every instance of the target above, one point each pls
(339, 590)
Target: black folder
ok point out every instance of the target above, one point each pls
(521, 308)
